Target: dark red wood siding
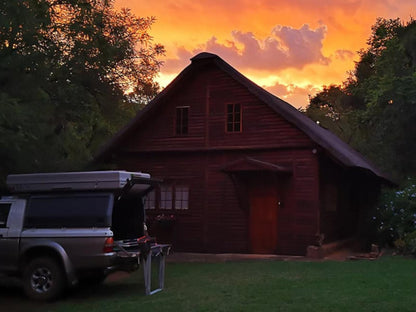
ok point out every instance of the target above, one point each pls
(207, 95)
(215, 220)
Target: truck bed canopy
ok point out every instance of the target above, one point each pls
(80, 181)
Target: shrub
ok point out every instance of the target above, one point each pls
(395, 217)
(407, 244)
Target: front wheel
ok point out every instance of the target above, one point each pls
(43, 279)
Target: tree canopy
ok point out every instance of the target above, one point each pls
(375, 109)
(72, 72)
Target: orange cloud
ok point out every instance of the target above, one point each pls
(292, 93)
(291, 47)
(285, 47)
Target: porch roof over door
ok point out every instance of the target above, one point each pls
(248, 164)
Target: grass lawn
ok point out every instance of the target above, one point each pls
(388, 284)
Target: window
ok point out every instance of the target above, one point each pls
(181, 197)
(71, 211)
(182, 113)
(168, 197)
(4, 214)
(233, 118)
(150, 202)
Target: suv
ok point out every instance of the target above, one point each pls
(59, 228)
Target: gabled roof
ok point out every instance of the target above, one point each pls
(334, 146)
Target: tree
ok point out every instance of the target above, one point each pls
(383, 88)
(389, 121)
(66, 68)
(333, 108)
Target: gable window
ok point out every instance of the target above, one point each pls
(182, 118)
(233, 118)
(168, 197)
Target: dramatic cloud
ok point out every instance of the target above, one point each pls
(286, 47)
(315, 43)
(344, 54)
(293, 94)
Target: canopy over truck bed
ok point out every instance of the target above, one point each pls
(78, 181)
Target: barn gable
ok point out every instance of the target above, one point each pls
(191, 78)
(244, 171)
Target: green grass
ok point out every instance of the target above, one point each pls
(388, 284)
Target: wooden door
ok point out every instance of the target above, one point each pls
(263, 195)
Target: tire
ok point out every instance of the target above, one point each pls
(43, 279)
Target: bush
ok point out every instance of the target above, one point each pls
(407, 244)
(395, 217)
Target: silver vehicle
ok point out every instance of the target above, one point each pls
(57, 229)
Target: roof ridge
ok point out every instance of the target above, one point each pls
(204, 55)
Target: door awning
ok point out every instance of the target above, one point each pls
(248, 164)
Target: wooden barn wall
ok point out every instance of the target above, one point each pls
(215, 221)
(188, 230)
(300, 223)
(207, 95)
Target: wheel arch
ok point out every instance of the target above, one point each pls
(49, 249)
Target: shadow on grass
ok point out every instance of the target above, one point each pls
(121, 288)
(13, 297)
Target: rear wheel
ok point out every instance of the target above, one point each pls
(43, 279)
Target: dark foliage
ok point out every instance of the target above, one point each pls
(65, 69)
(375, 109)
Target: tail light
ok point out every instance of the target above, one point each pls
(108, 245)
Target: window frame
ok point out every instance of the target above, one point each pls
(166, 199)
(39, 207)
(182, 120)
(150, 205)
(231, 124)
(172, 197)
(181, 196)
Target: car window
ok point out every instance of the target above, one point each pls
(4, 214)
(70, 211)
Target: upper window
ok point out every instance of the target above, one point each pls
(233, 117)
(182, 114)
(4, 213)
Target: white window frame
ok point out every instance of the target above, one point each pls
(181, 197)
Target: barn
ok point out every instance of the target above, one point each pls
(243, 171)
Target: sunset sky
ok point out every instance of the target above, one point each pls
(290, 47)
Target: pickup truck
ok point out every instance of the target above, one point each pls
(58, 228)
